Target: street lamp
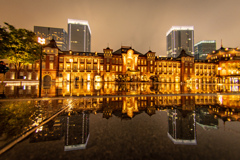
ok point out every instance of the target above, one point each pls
(42, 42)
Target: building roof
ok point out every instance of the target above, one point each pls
(183, 54)
(52, 44)
(123, 49)
(179, 28)
(205, 41)
(81, 22)
(222, 49)
(82, 53)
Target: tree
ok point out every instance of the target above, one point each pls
(19, 46)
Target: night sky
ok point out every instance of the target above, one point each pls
(140, 23)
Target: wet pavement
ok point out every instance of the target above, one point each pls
(185, 124)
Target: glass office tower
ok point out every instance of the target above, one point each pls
(79, 35)
(179, 38)
(49, 33)
(202, 49)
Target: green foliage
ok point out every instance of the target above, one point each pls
(19, 46)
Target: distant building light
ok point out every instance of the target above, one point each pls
(219, 68)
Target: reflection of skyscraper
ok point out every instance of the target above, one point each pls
(206, 120)
(51, 131)
(182, 127)
(77, 132)
(79, 35)
(179, 38)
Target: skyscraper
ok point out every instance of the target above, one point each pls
(179, 38)
(202, 49)
(49, 33)
(79, 35)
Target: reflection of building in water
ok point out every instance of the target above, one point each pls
(205, 119)
(227, 107)
(53, 130)
(129, 106)
(77, 131)
(182, 127)
(95, 89)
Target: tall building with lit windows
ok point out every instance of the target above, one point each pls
(49, 33)
(79, 35)
(180, 38)
(202, 48)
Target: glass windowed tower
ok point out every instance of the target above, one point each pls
(58, 34)
(179, 38)
(79, 35)
(204, 47)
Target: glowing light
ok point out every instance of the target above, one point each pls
(179, 28)
(88, 77)
(220, 99)
(41, 40)
(88, 86)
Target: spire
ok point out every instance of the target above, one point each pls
(221, 44)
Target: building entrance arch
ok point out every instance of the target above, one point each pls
(47, 80)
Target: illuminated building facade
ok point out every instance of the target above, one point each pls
(49, 33)
(228, 62)
(79, 35)
(180, 38)
(129, 65)
(202, 48)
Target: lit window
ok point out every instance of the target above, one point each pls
(61, 59)
(60, 66)
(95, 67)
(51, 58)
(29, 75)
(29, 66)
(43, 65)
(50, 65)
(68, 66)
(37, 65)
